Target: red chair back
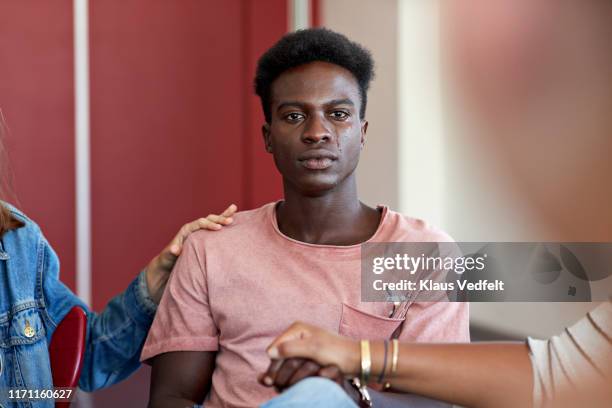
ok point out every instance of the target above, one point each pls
(67, 350)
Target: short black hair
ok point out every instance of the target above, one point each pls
(310, 45)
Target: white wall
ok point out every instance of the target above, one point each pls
(374, 25)
(422, 166)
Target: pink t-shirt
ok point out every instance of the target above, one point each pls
(233, 291)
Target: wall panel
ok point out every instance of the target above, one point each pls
(36, 98)
(166, 124)
(264, 22)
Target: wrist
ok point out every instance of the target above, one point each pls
(353, 362)
(156, 280)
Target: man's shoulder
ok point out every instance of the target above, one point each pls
(399, 227)
(246, 225)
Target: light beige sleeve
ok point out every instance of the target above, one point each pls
(577, 364)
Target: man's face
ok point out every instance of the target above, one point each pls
(315, 134)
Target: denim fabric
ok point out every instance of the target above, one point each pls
(312, 392)
(33, 301)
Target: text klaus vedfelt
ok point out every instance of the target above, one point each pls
(414, 264)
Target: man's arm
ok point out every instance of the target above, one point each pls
(181, 378)
(184, 338)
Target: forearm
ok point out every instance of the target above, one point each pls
(472, 375)
(181, 378)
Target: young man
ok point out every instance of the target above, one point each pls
(297, 259)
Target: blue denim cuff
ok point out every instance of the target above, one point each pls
(139, 304)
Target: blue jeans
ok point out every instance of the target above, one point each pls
(312, 392)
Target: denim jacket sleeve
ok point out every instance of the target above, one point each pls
(114, 337)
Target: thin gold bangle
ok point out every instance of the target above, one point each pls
(387, 384)
(395, 356)
(366, 361)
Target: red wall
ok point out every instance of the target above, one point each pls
(174, 124)
(36, 98)
(315, 13)
(262, 181)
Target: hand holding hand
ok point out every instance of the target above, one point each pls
(305, 351)
(282, 374)
(325, 348)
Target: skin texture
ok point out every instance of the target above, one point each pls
(439, 371)
(181, 379)
(315, 137)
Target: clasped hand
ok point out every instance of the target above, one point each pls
(305, 351)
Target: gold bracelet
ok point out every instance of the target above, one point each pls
(366, 362)
(395, 356)
(387, 384)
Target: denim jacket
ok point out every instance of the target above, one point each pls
(33, 301)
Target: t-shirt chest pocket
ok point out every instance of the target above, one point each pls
(359, 324)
